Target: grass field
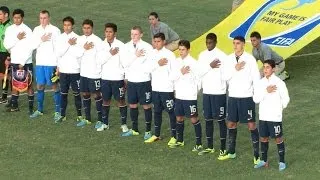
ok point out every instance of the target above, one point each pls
(40, 149)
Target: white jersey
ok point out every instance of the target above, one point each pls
(45, 50)
(214, 79)
(137, 67)
(21, 52)
(68, 62)
(90, 60)
(271, 104)
(186, 86)
(112, 66)
(241, 82)
(161, 76)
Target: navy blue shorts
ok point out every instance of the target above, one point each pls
(112, 88)
(241, 110)
(89, 85)
(69, 80)
(270, 129)
(186, 108)
(163, 101)
(214, 106)
(139, 93)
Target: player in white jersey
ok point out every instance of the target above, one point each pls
(214, 87)
(68, 68)
(90, 48)
(272, 95)
(139, 80)
(43, 40)
(162, 87)
(187, 82)
(243, 75)
(17, 39)
(112, 78)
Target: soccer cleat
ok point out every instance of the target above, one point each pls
(98, 124)
(12, 109)
(3, 101)
(130, 133)
(36, 114)
(56, 116)
(282, 166)
(172, 141)
(79, 118)
(227, 156)
(222, 153)
(147, 135)
(206, 151)
(103, 127)
(260, 164)
(177, 144)
(124, 128)
(61, 119)
(83, 123)
(152, 139)
(197, 148)
(256, 160)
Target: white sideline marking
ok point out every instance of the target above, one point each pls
(22, 94)
(303, 55)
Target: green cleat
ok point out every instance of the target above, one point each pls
(177, 144)
(197, 148)
(206, 151)
(227, 156)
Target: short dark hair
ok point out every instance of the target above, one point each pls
(184, 43)
(88, 22)
(155, 15)
(255, 34)
(5, 10)
(137, 28)
(69, 19)
(212, 36)
(272, 63)
(111, 25)
(160, 35)
(240, 38)
(45, 12)
(18, 11)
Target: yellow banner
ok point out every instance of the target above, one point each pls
(285, 25)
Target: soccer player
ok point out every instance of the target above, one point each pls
(243, 75)
(4, 24)
(214, 87)
(44, 39)
(186, 90)
(139, 80)
(262, 52)
(68, 68)
(272, 95)
(156, 26)
(89, 47)
(112, 78)
(17, 41)
(162, 87)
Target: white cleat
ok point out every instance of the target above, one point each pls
(124, 128)
(103, 127)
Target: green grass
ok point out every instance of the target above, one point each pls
(40, 149)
